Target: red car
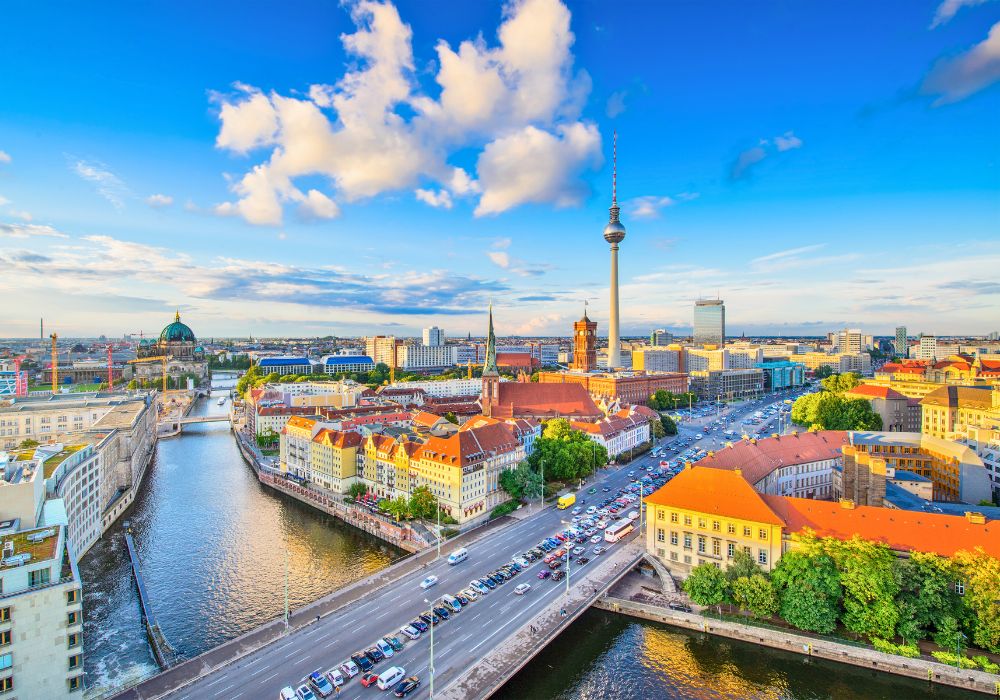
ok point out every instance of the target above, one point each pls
(561, 537)
(555, 564)
(368, 679)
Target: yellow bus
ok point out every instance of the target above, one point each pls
(566, 501)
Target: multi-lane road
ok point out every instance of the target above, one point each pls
(458, 641)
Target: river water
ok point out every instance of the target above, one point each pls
(212, 542)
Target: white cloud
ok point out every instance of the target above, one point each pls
(499, 258)
(787, 142)
(537, 166)
(317, 205)
(159, 200)
(352, 131)
(21, 214)
(107, 183)
(787, 253)
(616, 104)
(746, 160)
(29, 231)
(504, 260)
(4, 157)
(501, 243)
(647, 207)
(3, 200)
(954, 79)
(439, 198)
(949, 8)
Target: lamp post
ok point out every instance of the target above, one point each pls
(438, 505)
(958, 650)
(430, 668)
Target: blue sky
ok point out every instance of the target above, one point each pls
(371, 167)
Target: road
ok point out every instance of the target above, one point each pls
(458, 641)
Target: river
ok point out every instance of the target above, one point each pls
(212, 542)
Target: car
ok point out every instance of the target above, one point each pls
(599, 550)
(369, 679)
(287, 693)
(410, 632)
(558, 576)
(468, 594)
(488, 582)
(321, 684)
(582, 560)
(305, 692)
(601, 524)
(591, 510)
(577, 551)
(576, 511)
(595, 539)
(633, 515)
(592, 489)
(606, 489)
(480, 586)
(375, 654)
(393, 641)
(555, 564)
(680, 607)
(538, 552)
(406, 686)
(335, 677)
(522, 588)
(428, 582)
(349, 669)
(384, 648)
(419, 624)
(428, 618)
(362, 661)
(543, 574)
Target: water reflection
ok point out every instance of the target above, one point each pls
(213, 545)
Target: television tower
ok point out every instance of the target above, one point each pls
(614, 233)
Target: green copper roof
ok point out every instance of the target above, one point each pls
(177, 331)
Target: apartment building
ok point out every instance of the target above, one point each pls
(658, 359)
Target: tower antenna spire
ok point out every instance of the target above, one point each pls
(614, 169)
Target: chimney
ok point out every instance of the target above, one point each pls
(975, 518)
(847, 504)
(739, 472)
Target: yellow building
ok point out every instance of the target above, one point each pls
(707, 515)
(334, 459)
(951, 410)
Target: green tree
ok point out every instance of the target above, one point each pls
(980, 574)
(511, 484)
(357, 489)
(566, 453)
(669, 426)
(868, 577)
(823, 371)
(267, 438)
(451, 417)
(399, 508)
(656, 429)
(706, 585)
(133, 385)
(839, 383)
(742, 566)
(829, 411)
(28, 443)
(949, 633)
(521, 482)
(808, 588)
(927, 593)
(423, 503)
(756, 595)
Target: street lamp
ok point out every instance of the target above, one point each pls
(958, 650)
(430, 668)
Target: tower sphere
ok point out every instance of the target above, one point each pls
(614, 232)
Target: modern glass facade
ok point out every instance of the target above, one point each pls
(709, 322)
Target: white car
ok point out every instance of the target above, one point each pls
(576, 511)
(601, 524)
(521, 589)
(591, 510)
(336, 677)
(634, 515)
(577, 551)
(386, 650)
(428, 582)
(522, 562)
(287, 693)
(595, 539)
(410, 632)
(470, 594)
(479, 586)
(349, 669)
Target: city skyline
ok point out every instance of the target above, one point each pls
(339, 172)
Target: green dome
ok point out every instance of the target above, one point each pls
(177, 332)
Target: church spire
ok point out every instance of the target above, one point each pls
(177, 316)
(490, 366)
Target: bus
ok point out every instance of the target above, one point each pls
(566, 501)
(615, 532)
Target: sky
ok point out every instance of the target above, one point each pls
(315, 168)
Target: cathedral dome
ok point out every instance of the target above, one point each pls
(177, 332)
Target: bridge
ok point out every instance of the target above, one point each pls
(475, 651)
(171, 427)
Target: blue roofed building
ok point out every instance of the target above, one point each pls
(287, 365)
(336, 364)
(781, 374)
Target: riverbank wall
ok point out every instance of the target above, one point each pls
(931, 671)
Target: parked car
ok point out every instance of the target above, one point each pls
(599, 550)
(543, 574)
(369, 679)
(419, 624)
(362, 661)
(349, 669)
(304, 692)
(287, 693)
(680, 607)
(321, 685)
(558, 575)
(410, 631)
(375, 654)
(393, 642)
(335, 677)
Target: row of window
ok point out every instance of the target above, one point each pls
(716, 525)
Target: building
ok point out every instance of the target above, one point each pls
(727, 383)
(709, 322)
(445, 387)
(13, 383)
(516, 362)
(852, 340)
(351, 364)
(333, 462)
(743, 356)
(950, 410)
(177, 343)
(584, 344)
(660, 337)
(704, 359)
(707, 515)
(614, 233)
(618, 433)
(781, 374)
(901, 345)
(83, 372)
(926, 348)
(658, 359)
(425, 357)
(433, 336)
(837, 362)
(621, 387)
(898, 413)
(382, 349)
(799, 464)
(286, 365)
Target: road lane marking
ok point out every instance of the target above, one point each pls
(217, 680)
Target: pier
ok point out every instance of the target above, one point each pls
(162, 651)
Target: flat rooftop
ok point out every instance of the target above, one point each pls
(42, 550)
(53, 462)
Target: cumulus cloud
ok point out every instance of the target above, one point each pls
(746, 161)
(515, 100)
(8, 230)
(108, 185)
(317, 205)
(504, 260)
(616, 104)
(949, 8)
(4, 157)
(647, 207)
(954, 79)
(158, 201)
(499, 258)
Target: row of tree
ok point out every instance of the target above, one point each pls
(421, 504)
(865, 588)
(829, 409)
(663, 400)
(172, 382)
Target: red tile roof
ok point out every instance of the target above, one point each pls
(425, 418)
(517, 399)
(875, 392)
(338, 438)
(714, 492)
(470, 446)
(758, 460)
(902, 530)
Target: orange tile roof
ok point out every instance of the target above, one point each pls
(338, 438)
(470, 446)
(876, 392)
(300, 422)
(518, 399)
(902, 530)
(426, 418)
(714, 492)
(756, 461)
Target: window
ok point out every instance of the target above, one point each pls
(687, 540)
(73, 639)
(75, 661)
(960, 587)
(701, 544)
(746, 549)
(687, 519)
(716, 525)
(702, 523)
(661, 514)
(660, 535)
(75, 683)
(73, 618)
(673, 556)
(6, 661)
(6, 684)
(4, 638)
(673, 517)
(730, 528)
(39, 577)
(687, 559)
(5, 614)
(746, 531)
(731, 550)
(762, 534)
(762, 556)
(673, 538)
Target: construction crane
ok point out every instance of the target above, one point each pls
(158, 358)
(55, 364)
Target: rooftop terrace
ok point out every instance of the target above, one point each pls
(42, 550)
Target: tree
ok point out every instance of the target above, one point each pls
(133, 385)
(830, 411)
(822, 371)
(423, 503)
(566, 453)
(808, 588)
(268, 438)
(656, 429)
(839, 383)
(399, 508)
(755, 594)
(451, 417)
(949, 634)
(868, 576)
(28, 443)
(511, 484)
(980, 573)
(669, 426)
(927, 593)
(706, 585)
(357, 490)
(742, 566)
(521, 482)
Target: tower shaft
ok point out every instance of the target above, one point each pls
(614, 341)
